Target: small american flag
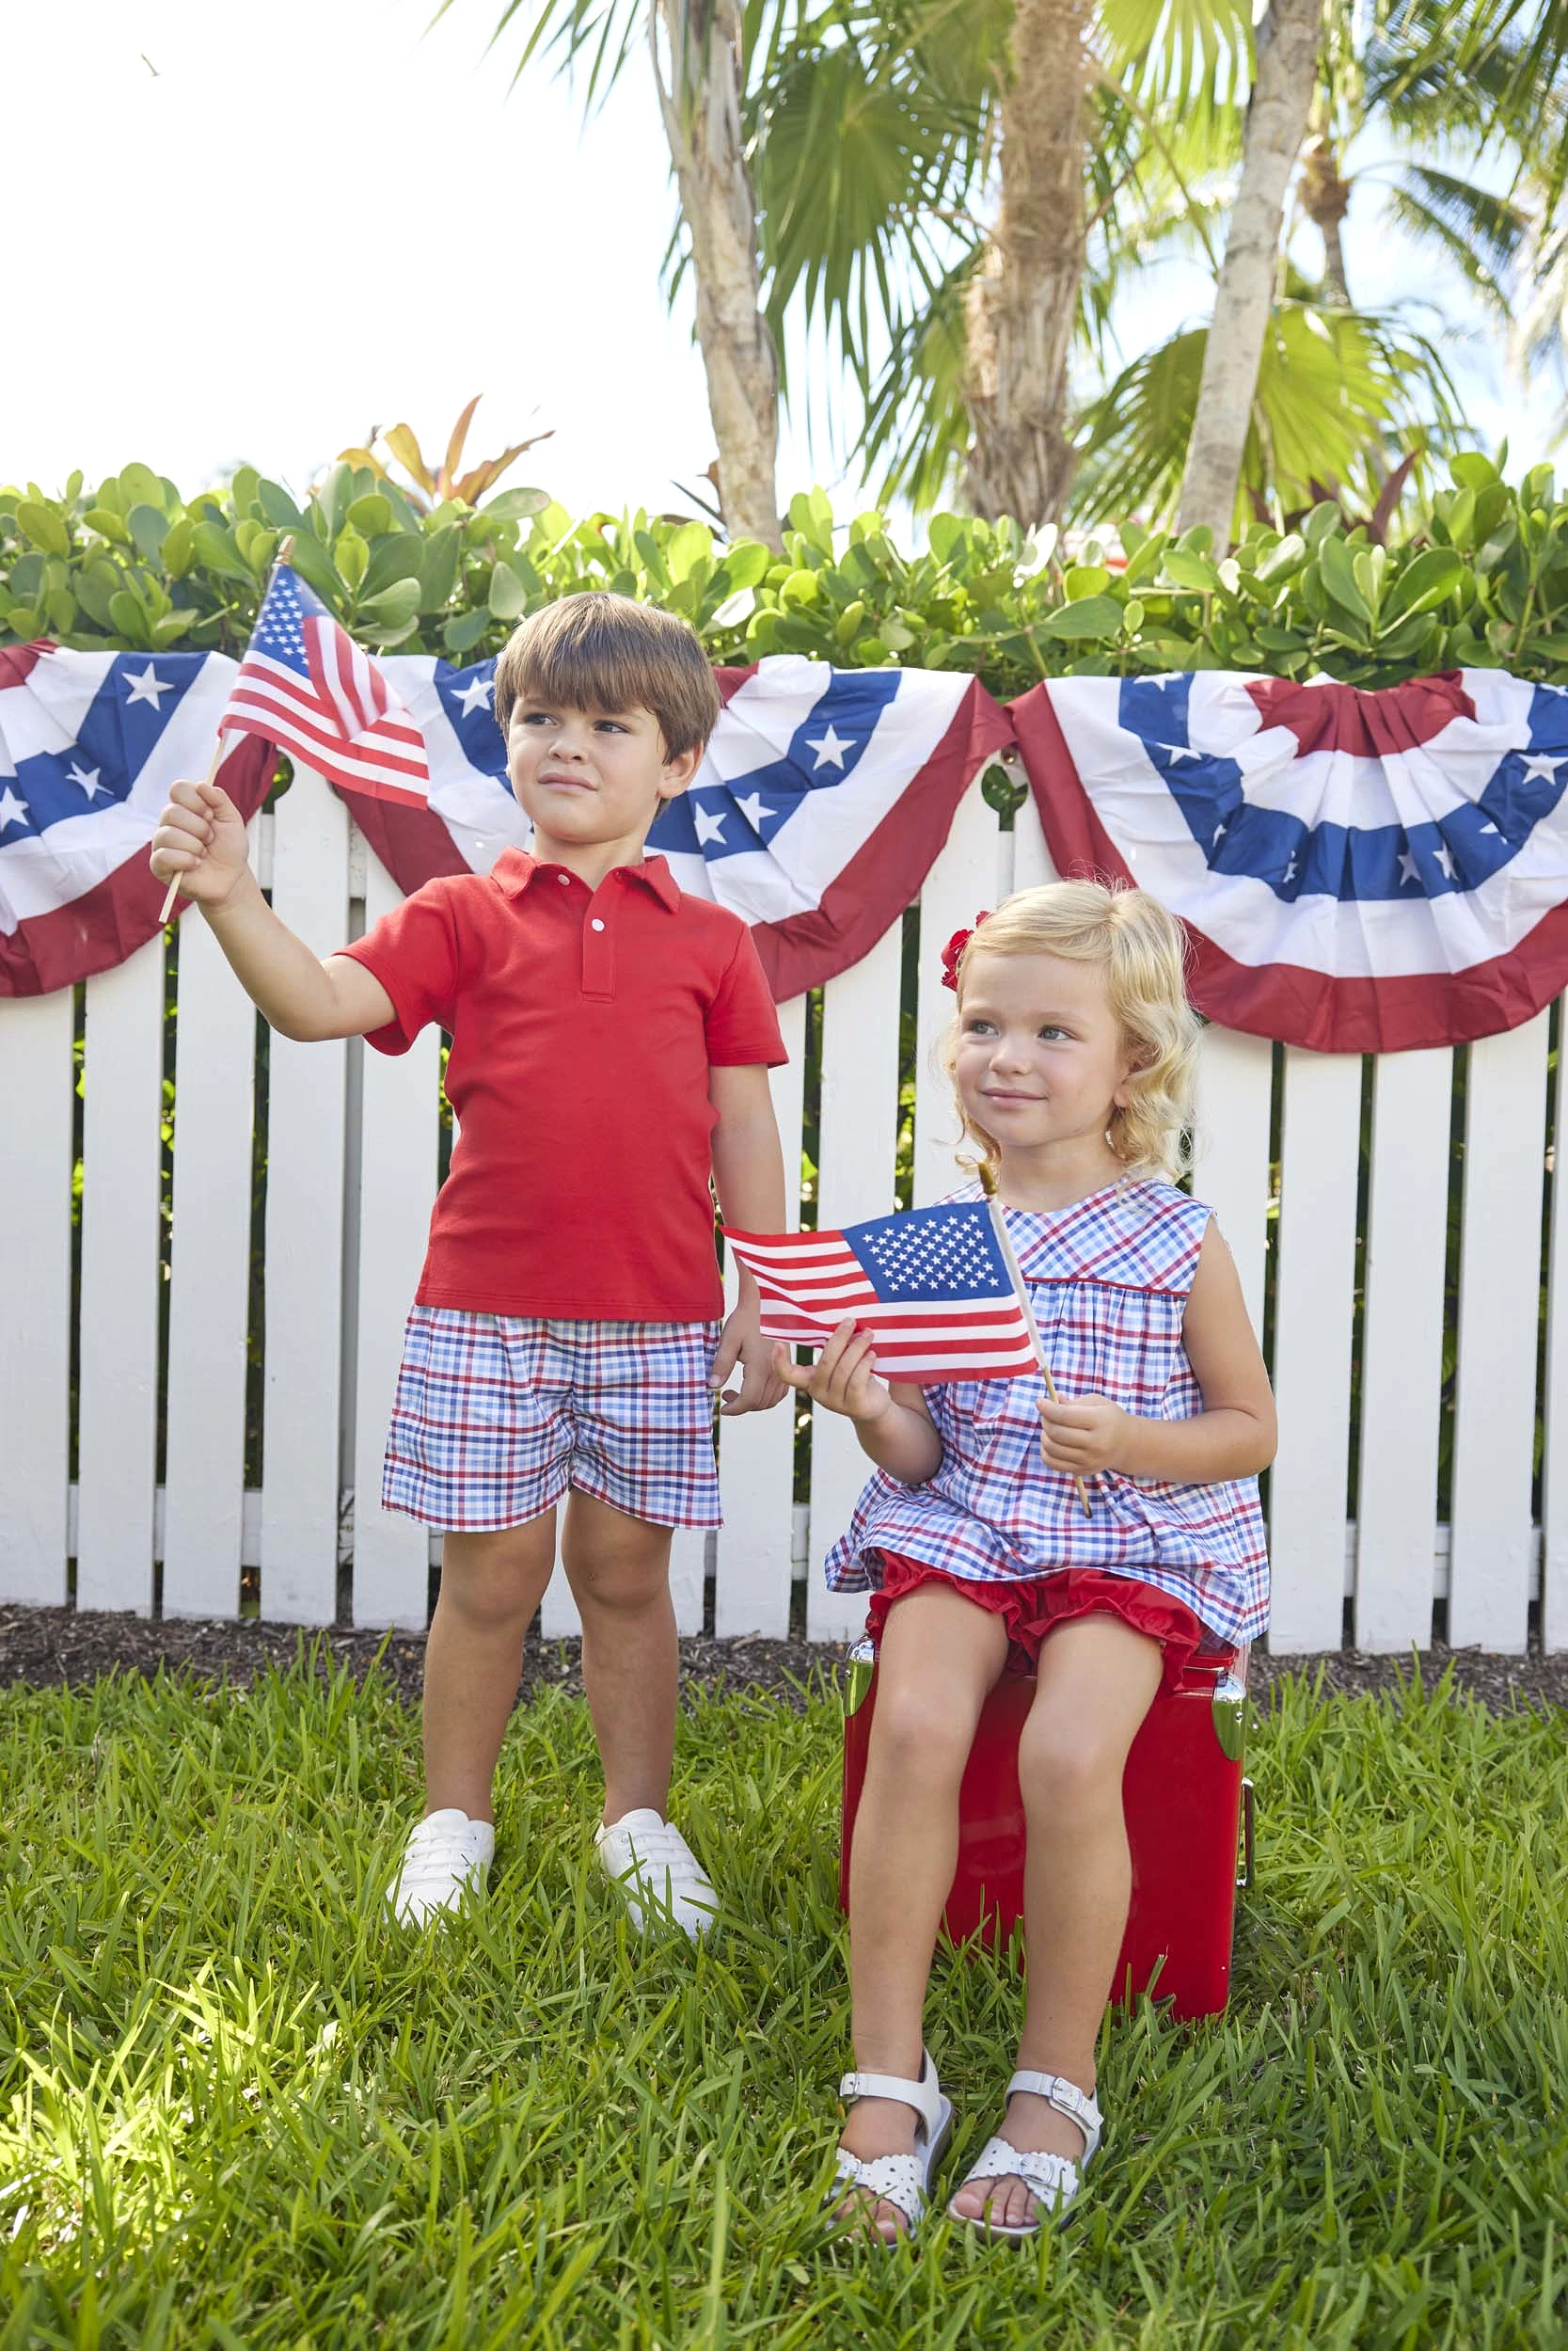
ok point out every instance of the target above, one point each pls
(306, 687)
(932, 1287)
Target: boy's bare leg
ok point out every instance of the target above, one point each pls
(1098, 1680)
(619, 1571)
(491, 1586)
(939, 1655)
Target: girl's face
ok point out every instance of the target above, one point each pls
(1041, 1061)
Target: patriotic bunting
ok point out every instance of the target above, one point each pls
(1359, 872)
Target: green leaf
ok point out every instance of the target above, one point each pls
(392, 609)
(947, 534)
(370, 514)
(277, 507)
(127, 618)
(214, 546)
(177, 547)
(1336, 568)
(44, 525)
(1471, 471)
(508, 598)
(395, 557)
(515, 505)
(108, 524)
(1097, 616)
(1190, 569)
(462, 634)
(745, 564)
(148, 528)
(800, 587)
(243, 492)
(141, 487)
(687, 547)
(1085, 580)
(440, 559)
(351, 555)
(1433, 575)
(316, 568)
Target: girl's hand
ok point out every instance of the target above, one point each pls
(200, 844)
(1083, 1434)
(841, 1378)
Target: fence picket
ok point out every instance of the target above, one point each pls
(1401, 1352)
(1230, 1151)
(210, 1280)
(962, 881)
(305, 1235)
(1554, 1464)
(35, 1070)
(118, 1409)
(756, 1453)
(398, 1138)
(1312, 1348)
(1499, 1276)
(856, 1171)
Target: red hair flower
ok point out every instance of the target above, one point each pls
(955, 949)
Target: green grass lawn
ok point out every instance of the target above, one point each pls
(235, 2109)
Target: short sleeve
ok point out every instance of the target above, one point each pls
(414, 952)
(741, 1028)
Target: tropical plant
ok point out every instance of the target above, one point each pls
(435, 483)
(1477, 574)
(696, 50)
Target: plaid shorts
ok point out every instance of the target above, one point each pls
(496, 1415)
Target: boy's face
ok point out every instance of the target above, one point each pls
(591, 779)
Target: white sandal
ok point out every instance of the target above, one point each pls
(901, 2180)
(1052, 2180)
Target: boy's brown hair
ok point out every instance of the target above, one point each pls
(601, 652)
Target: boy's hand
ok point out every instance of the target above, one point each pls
(741, 1341)
(200, 843)
(1083, 1434)
(841, 1378)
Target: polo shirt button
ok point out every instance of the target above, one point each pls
(595, 924)
(564, 880)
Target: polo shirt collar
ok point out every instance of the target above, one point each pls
(514, 869)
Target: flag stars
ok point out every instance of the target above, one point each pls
(755, 810)
(1541, 767)
(1409, 869)
(475, 695)
(830, 748)
(147, 687)
(86, 779)
(12, 810)
(1444, 856)
(709, 826)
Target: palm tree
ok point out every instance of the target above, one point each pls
(696, 49)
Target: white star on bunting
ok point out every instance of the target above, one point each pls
(710, 827)
(12, 811)
(1540, 768)
(755, 809)
(831, 746)
(1408, 871)
(475, 695)
(147, 687)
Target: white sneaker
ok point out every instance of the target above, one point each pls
(657, 1870)
(446, 1854)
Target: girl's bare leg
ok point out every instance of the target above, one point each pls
(939, 1655)
(1097, 1681)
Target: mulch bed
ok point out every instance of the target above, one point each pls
(49, 1648)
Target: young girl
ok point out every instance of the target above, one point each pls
(1073, 1057)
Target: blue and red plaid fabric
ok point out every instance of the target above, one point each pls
(496, 1415)
(1108, 1279)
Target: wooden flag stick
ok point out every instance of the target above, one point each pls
(993, 1206)
(173, 890)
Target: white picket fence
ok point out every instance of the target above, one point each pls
(352, 1168)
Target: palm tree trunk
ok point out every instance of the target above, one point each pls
(1325, 200)
(1024, 302)
(1277, 118)
(698, 71)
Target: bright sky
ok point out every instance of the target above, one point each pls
(258, 232)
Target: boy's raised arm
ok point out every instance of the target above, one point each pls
(200, 841)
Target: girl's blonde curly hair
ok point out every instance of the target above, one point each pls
(1144, 952)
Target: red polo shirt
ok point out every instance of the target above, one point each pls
(583, 1026)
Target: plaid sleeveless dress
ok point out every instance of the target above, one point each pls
(1108, 1278)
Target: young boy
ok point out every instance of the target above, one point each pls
(611, 1039)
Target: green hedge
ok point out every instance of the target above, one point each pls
(1483, 580)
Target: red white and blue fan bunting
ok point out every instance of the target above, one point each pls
(1359, 872)
(89, 744)
(819, 810)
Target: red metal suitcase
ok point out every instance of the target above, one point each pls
(1186, 1801)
